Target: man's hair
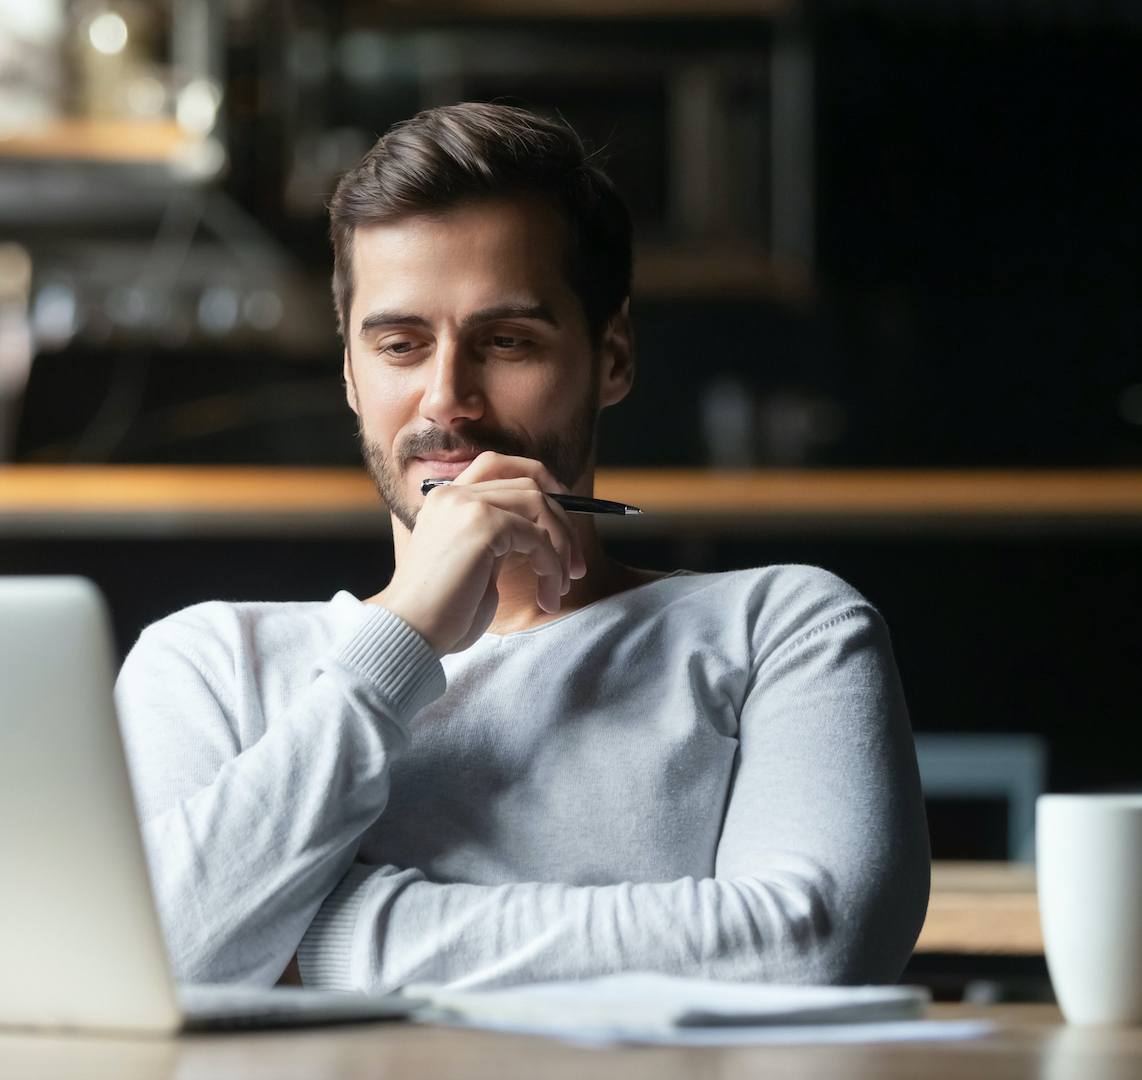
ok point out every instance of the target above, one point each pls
(444, 157)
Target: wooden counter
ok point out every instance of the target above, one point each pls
(982, 908)
(235, 500)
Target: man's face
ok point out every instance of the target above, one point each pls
(464, 336)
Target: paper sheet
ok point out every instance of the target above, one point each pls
(768, 1035)
(666, 1010)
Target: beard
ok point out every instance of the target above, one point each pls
(565, 453)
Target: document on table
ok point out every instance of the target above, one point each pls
(652, 1008)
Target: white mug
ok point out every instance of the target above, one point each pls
(1088, 853)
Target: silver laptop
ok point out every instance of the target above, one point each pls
(80, 941)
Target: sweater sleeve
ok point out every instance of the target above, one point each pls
(244, 846)
(821, 872)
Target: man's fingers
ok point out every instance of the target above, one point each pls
(446, 585)
(530, 540)
(577, 566)
(492, 466)
(523, 498)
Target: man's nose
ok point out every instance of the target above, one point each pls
(454, 393)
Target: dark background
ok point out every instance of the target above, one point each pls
(990, 635)
(977, 303)
(978, 296)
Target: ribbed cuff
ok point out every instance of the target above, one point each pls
(396, 662)
(325, 954)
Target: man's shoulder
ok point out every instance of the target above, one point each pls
(771, 605)
(221, 633)
(762, 588)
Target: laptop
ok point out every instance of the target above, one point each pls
(80, 940)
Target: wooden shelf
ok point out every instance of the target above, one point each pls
(882, 491)
(82, 500)
(982, 908)
(231, 500)
(878, 501)
(143, 142)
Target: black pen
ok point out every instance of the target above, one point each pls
(573, 504)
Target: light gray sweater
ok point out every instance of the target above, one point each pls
(707, 775)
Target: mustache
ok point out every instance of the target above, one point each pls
(499, 440)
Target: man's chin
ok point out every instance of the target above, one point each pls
(389, 488)
(401, 506)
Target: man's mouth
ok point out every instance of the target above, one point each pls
(444, 455)
(442, 464)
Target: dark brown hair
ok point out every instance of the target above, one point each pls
(443, 157)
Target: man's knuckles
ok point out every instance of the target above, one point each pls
(484, 518)
(525, 497)
(492, 466)
(475, 515)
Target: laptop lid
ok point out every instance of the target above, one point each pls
(80, 941)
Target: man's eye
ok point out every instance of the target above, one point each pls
(399, 348)
(503, 341)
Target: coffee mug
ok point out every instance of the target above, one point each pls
(1088, 853)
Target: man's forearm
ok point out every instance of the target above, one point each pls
(241, 865)
(235, 883)
(382, 930)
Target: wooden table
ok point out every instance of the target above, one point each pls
(984, 909)
(157, 501)
(1031, 1043)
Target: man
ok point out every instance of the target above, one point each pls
(520, 760)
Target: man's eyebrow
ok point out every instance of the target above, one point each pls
(376, 320)
(511, 311)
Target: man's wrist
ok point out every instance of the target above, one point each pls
(411, 618)
(391, 661)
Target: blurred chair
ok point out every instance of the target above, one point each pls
(1012, 767)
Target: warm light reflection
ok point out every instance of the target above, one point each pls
(108, 33)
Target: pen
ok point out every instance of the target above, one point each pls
(573, 504)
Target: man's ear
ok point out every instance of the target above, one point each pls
(350, 385)
(616, 371)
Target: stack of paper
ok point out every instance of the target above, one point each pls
(660, 1008)
(661, 1002)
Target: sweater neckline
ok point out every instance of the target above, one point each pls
(594, 605)
(345, 599)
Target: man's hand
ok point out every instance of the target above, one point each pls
(445, 587)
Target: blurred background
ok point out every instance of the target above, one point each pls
(870, 236)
